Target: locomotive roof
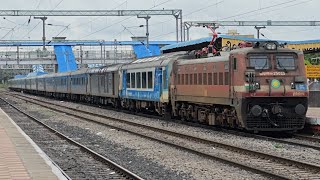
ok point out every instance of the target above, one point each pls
(224, 57)
(161, 60)
(261, 49)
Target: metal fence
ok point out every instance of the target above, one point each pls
(86, 54)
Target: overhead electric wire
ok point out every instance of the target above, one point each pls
(303, 2)
(256, 10)
(248, 12)
(184, 15)
(81, 24)
(39, 21)
(66, 27)
(192, 12)
(7, 33)
(121, 21)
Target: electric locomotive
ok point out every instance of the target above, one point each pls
(259, 88)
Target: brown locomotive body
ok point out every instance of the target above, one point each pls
(261, 88)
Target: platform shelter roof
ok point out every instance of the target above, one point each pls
(304, 45)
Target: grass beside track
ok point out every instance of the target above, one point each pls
(3, 86)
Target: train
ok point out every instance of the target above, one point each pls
(262, 87)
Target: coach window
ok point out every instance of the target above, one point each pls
(204, 78)
(128, 80)
(102, 81)
(187, 79)
(195, 78)
(133, 80)
(191, 79)
(182, 79)
(150, 80)
(215, 78)
(209, 78)
(138, 79)
(144, 80)
(200, 78)
(226, 78)
(179, 80)
(220, 78)
(106, 84)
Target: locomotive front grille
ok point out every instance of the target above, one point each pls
(274, 113)
(283, 123)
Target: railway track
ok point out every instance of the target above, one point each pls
(307, 137)
(239, 133)
(93, 161)
(259, 162)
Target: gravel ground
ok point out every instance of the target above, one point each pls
(284, 150)
(76, 163)
(154, 160)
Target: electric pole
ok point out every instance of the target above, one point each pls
(258, 30)
(147, 27)
(43, 30)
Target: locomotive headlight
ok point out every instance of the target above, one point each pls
(293, 86)
(257, 85)
(300, 109)
(271, 46)
(256, 110)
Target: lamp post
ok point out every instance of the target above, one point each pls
(43, 30)
(147, 17)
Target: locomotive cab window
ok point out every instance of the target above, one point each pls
(259, 62)
(285, 62)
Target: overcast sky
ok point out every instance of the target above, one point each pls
(161, 27)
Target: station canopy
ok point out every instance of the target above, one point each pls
(307, 46)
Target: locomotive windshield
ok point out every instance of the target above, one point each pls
(259, 62)
(285, 62)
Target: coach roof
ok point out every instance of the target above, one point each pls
(156, 61)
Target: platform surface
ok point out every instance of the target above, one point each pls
(313, 116)
(20, 157)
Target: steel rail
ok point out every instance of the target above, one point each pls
(121, 170)
(305, 165)
(307, 137)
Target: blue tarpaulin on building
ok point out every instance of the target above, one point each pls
(141, 50)
(65, 58)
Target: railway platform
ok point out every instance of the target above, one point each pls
(313, 118)
(20, 157)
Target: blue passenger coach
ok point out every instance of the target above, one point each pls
(145, 82)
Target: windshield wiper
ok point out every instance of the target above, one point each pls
(281, 66)
(265, 64)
